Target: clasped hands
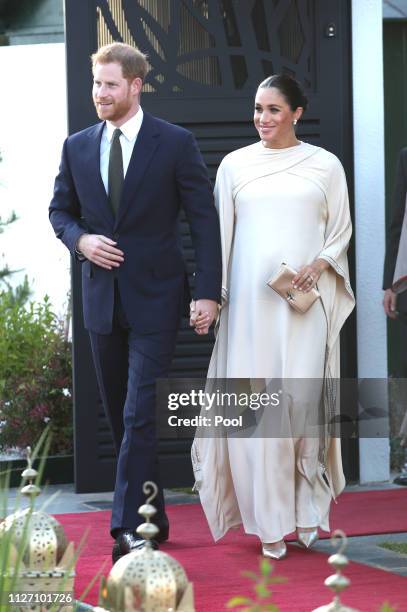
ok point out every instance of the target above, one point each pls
(308, 276)
(203, 313)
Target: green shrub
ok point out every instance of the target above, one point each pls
(35, 375)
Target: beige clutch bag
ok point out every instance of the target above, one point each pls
(281, 282)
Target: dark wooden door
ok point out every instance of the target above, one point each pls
(207, 58)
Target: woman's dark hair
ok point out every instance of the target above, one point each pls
(289, 88)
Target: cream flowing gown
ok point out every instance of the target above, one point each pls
(276, 205)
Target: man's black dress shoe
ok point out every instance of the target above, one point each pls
(126, 542)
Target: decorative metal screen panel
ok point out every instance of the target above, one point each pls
(209, 47)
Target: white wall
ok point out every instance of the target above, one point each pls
(368, 108)
(32, 129)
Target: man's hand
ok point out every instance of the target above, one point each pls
(203, 313)
(100, 250)
(389, 303)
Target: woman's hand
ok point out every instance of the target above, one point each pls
(309, 275)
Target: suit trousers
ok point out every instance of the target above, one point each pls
(127, 366)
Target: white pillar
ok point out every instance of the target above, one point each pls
(368, 122)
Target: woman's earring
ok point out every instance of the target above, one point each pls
(295, 122)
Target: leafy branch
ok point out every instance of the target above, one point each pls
(22, 292)
(3, 224)
(261, 586)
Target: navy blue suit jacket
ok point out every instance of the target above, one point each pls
(166, 172)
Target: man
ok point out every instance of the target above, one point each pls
(115, 206)
(395, 305)
(395, 272)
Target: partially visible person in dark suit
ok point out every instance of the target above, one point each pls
(395, 278)
(394, 300)
(117, 196)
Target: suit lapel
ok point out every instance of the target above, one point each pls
(146, 143)
(92, 162)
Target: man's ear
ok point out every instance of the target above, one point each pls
(136, 86)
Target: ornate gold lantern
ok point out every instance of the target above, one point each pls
(146, 579)
(337, 582)
(45, 572)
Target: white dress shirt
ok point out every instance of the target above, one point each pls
(130, 131)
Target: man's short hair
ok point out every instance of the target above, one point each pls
(133, 62)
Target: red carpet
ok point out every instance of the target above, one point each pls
(215, 568)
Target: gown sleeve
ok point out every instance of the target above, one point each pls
(338, 232)
(226, 210)
(338, 226)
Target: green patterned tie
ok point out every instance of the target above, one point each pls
(115, 171)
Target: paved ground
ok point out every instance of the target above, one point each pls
(366, 549)
(62, 499)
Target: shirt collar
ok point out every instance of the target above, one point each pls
(130, 129)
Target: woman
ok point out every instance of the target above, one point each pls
(279, 200)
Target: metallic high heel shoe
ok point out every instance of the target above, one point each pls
(307, 539)
(272, 551)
